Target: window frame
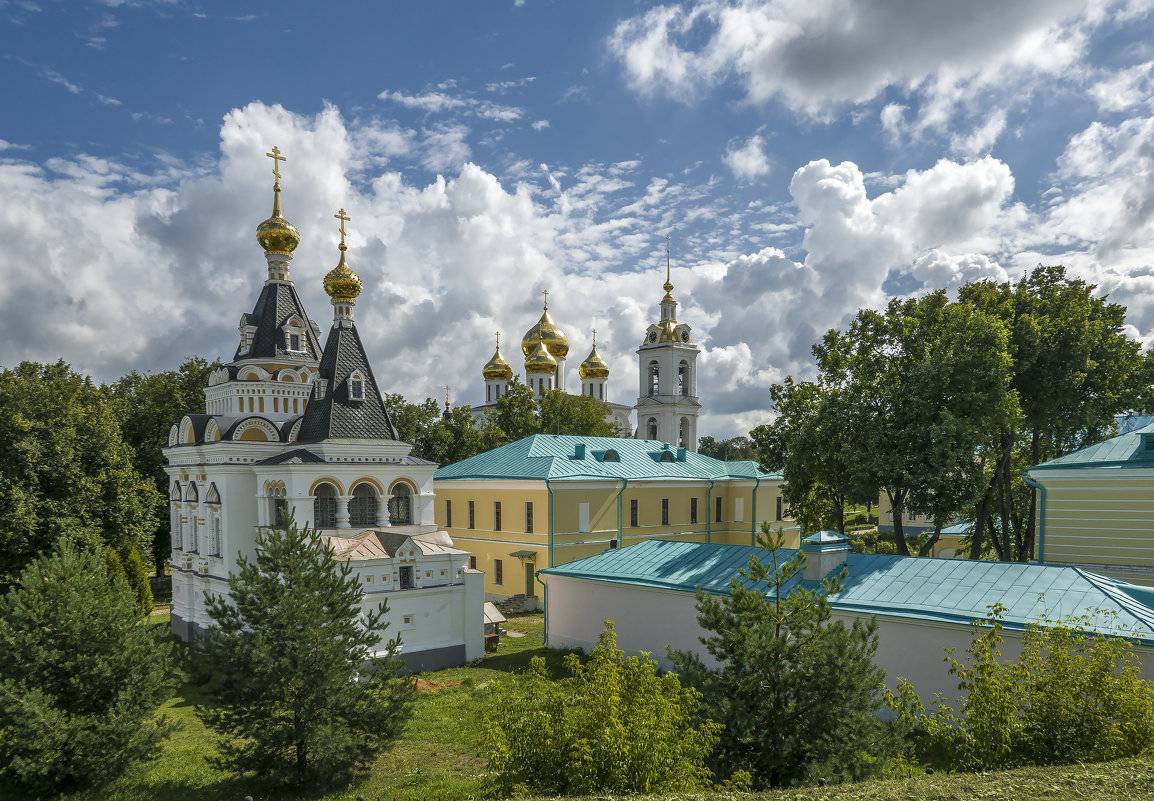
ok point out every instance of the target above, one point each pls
(665, 511)
(634, 517)
(528, 517)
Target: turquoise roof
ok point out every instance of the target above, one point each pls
(1124, 450)
(945, 590)
(553, 457)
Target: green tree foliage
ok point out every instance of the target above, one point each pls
(1073, 369)
(147, 405)
(65, 469)
(1071, 696)
(613, 725)
(796, 692)
(81, 677)
(516, 412)
(733, 448)
(580, 415)
(303, 688)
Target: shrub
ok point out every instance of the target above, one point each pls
(613, 725)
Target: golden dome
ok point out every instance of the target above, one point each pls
(547, 332)
(593, 366)
(341, 283)
(276, 234)
(497, 368)
(539, 360)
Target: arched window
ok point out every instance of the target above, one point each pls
(174, 517)
(683, 378)
(683, 434)
(356, 386)
(363, 506)
(601, 391)
(666, 456)
(325, 506)
(654, 380)
(401, 505)
(651, 428)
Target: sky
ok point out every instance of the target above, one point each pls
(805, 159)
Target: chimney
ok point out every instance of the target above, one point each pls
(579, 450)
(825, 553)
(681, 454)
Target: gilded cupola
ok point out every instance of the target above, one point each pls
(497, 369)
(341, 283)
(546, 332)
(539, 360)
(593, 366)
(276, 234)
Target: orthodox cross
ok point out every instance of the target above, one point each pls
(498, 340)
(277, 158)
(595, 339)
(344, 218)
(545, 292)
(446, 396)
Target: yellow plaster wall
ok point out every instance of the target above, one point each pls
(1100, 522)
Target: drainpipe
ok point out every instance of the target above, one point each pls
(1041, 515)
(709, 513)
(549, 488)
(621, 513)
(753, 523)
(545, 599)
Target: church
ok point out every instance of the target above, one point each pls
(294, 427)
(667, 404)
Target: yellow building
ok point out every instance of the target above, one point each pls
(1096, 507)
(546, 500)
(949, 544)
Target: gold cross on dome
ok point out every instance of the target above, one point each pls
(277, 158)
(545, 292)
(594, 337)
(344, 218)
(498, 340)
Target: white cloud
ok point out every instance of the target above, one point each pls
(981, 139)
(1125, 88)
(540, 125)
(748, 160)
(440, 102)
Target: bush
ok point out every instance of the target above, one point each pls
(614, 725)
(81, 677)
(1072, 696)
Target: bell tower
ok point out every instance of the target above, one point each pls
(667, 405)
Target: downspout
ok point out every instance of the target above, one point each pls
(549, 489)
(753, 523)
(621, 512)
(709, 512)
(1041, 515)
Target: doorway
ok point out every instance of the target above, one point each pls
(529, 584)
(406, 578)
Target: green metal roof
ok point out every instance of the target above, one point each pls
(1125, 450)
(554, 457)
(944, 590)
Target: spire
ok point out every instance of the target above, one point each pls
(668, 286)
(668, 304)
(276, 235)
(341, 283)
(545, 304)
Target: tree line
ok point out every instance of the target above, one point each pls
(942, 405)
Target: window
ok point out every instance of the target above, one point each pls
(405, 574)
(498, 572)
(280, 514)
(368, 579)
(654, 380)
(739, 510)
(496, 515)
(717, 514)
(683, 433)
(683, 378)
(472, 563)
(217, 545)
(651, 428)
(692, 510)
(633, 513)
(325, 507)
(408, 620)
(448, 514)
(778, 513)
(294, 342)
(195, 534)
(665, 511)
(472, 514)
(583, 517)
(363, 506)
(356, 386)
(401, 505)
(528, 517)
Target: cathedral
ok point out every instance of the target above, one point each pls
(296, 428)
(667, 404)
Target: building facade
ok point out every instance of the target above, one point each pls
(546, 500)
(294, 429)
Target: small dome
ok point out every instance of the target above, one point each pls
(497, 368)
(547, 332)
(539, 360)
(341, 283)
(278, 235)
(593, 366)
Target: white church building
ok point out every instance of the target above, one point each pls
(294, 427)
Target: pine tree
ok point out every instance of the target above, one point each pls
(796, 692)
(81, 676)
(303, 690)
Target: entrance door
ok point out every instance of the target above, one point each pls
(406, 578)
(529, 584)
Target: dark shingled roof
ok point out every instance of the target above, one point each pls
(277, 302)
(306, 457)
(334, 415)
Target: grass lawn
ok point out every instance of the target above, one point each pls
(439, 756)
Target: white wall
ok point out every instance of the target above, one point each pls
(654, 620)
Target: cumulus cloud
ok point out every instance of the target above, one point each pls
(747, 160)
(437, 102)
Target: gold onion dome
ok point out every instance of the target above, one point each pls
(276, 234)
(546, 331)
(538, 360)
(341, 283)
(497, 368)
(593, 366)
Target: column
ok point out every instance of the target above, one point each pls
(343, 510)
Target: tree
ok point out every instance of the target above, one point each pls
(796, 692)
(516, 412)
(1072, 695)
(727, 449)
(65, 469)
(580, 415)
(82, 674)
(1073, 369)
(613, 725)
(303, 690)
(147, 405)
(413, 421)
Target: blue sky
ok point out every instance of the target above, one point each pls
(806, 159)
